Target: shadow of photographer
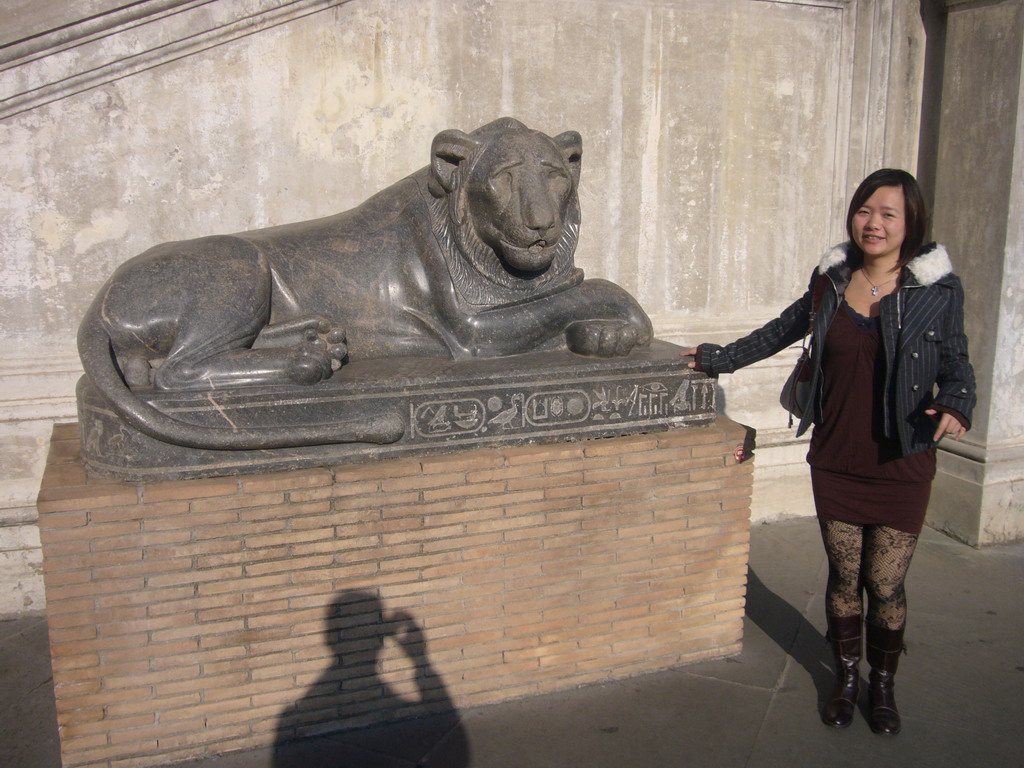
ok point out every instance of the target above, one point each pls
(791, 631)
(381, 676)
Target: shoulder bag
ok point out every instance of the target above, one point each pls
(796, 392)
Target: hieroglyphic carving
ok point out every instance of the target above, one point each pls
(447, 417)
(538, 408)
(567, 406)
(691, 397)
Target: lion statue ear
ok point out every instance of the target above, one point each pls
(448, 150)
(571, 145)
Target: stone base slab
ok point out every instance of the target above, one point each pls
(443, 405)
(196, 617)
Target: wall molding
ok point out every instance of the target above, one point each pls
(89, 26)
(988, 464)
(963, 5)
(35, 386)
(98, 50)
(812, 3)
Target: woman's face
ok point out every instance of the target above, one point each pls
(879, 226)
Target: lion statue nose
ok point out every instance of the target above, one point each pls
(545, 233)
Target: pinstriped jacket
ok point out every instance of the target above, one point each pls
(923, 339)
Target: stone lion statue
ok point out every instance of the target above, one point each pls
(471, 256)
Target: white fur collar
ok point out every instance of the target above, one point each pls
(928, 268)
(931, 267)
(833, 257)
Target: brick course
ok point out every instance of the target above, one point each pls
(195, 617)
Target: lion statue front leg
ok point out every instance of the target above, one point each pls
(595, 318)
(602, 338)
(603, 320)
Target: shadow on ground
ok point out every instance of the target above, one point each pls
(791, 631)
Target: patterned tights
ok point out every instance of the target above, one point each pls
(870, 557)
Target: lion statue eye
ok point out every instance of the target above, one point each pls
(558, 183)
(501, 184)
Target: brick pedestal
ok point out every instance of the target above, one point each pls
(195, 617)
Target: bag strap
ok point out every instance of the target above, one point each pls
(816, 297)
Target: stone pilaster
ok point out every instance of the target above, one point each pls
(979, 214)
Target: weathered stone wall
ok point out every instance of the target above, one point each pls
(200, 616)
(721, 139)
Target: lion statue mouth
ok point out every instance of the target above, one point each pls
(532, 258)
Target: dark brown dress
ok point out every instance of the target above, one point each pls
(857, 474)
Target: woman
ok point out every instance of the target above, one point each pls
(889, 378)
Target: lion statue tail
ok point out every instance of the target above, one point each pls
(101, 369)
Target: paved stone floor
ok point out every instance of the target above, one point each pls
(960, 688)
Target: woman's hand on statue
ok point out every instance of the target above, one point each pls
(689, 353)
(948, 425)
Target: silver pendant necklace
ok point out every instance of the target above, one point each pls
(876, 288)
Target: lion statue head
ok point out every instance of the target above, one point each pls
(506, 210)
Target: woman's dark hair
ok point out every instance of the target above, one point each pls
(914, 211)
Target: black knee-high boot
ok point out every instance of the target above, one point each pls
(844, 638)
(883, 652)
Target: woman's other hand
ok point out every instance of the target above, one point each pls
(948, 425)
(689, 353)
